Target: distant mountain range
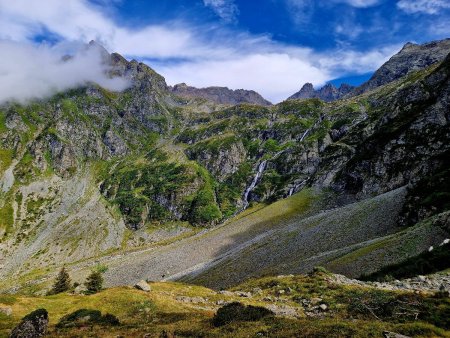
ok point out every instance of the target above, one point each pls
(412, 57)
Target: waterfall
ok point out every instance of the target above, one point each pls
(304, 134)
(261, 168)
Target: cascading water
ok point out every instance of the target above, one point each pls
(261, 168)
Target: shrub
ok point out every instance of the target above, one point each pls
(237, 312)
(82, 317)
(62, 282)
(94, 282)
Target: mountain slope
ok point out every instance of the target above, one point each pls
(92, 173)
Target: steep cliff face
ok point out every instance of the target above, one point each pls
(220, 95)
(327, 93)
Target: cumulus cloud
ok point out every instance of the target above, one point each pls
(423, 6)
(29, 72)
(226, 9)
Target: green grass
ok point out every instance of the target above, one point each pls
(187, 310)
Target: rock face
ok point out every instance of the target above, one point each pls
(412, 57)
(327, 93)
(33, 325)
(220, 95)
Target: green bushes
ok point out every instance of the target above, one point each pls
(237, 312)
(85, 317)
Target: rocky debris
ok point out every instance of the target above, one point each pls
(220, 95)
(243, 294)
(388, 334)
(6, 310)
(193, 300)
(431, 283)
(412, 57)
(327, 93)
(284, 310)
(33, 325)
(143, 285)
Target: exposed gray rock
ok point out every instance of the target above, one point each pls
(6, 310)
(33, 325)
(143, 285)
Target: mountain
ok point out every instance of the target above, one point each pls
(139, 181)
(412, 57)
(327, 93)
(220, 95)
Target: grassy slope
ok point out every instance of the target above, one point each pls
(186, 310)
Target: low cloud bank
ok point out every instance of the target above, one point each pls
(34, 72)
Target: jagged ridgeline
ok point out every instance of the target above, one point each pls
(82, 171)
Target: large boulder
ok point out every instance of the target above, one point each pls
(143, 285)
(33, 325)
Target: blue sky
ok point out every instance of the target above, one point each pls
(272, 46)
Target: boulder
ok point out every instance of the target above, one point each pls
(143, 285)
(387, 334)
(6, 310)
(33, 325)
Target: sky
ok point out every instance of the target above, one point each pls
(271, 46)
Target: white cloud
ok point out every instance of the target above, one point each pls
(226, 9)
(360, 3)
(28, 72)
(209, 56)
(423, 6)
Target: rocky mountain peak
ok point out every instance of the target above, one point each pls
(220, 95)
(327, 93)
(410, 58)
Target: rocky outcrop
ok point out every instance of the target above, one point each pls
(33, 325)
(327, 93)
(220, 95)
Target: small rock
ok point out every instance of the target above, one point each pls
(6, 310)
(226, 293)
(323, 307)
(142, 285)
(315, 301)
(80, 289)
(257, 291)
(33, 325)
(422, 278)
(243, 294)
(387, 334)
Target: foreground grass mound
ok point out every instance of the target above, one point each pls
(283, 306)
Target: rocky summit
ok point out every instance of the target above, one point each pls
(327, 93)
(214, 187)
(220, 95)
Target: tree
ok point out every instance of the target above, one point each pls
(62, 282)
(94, 282)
